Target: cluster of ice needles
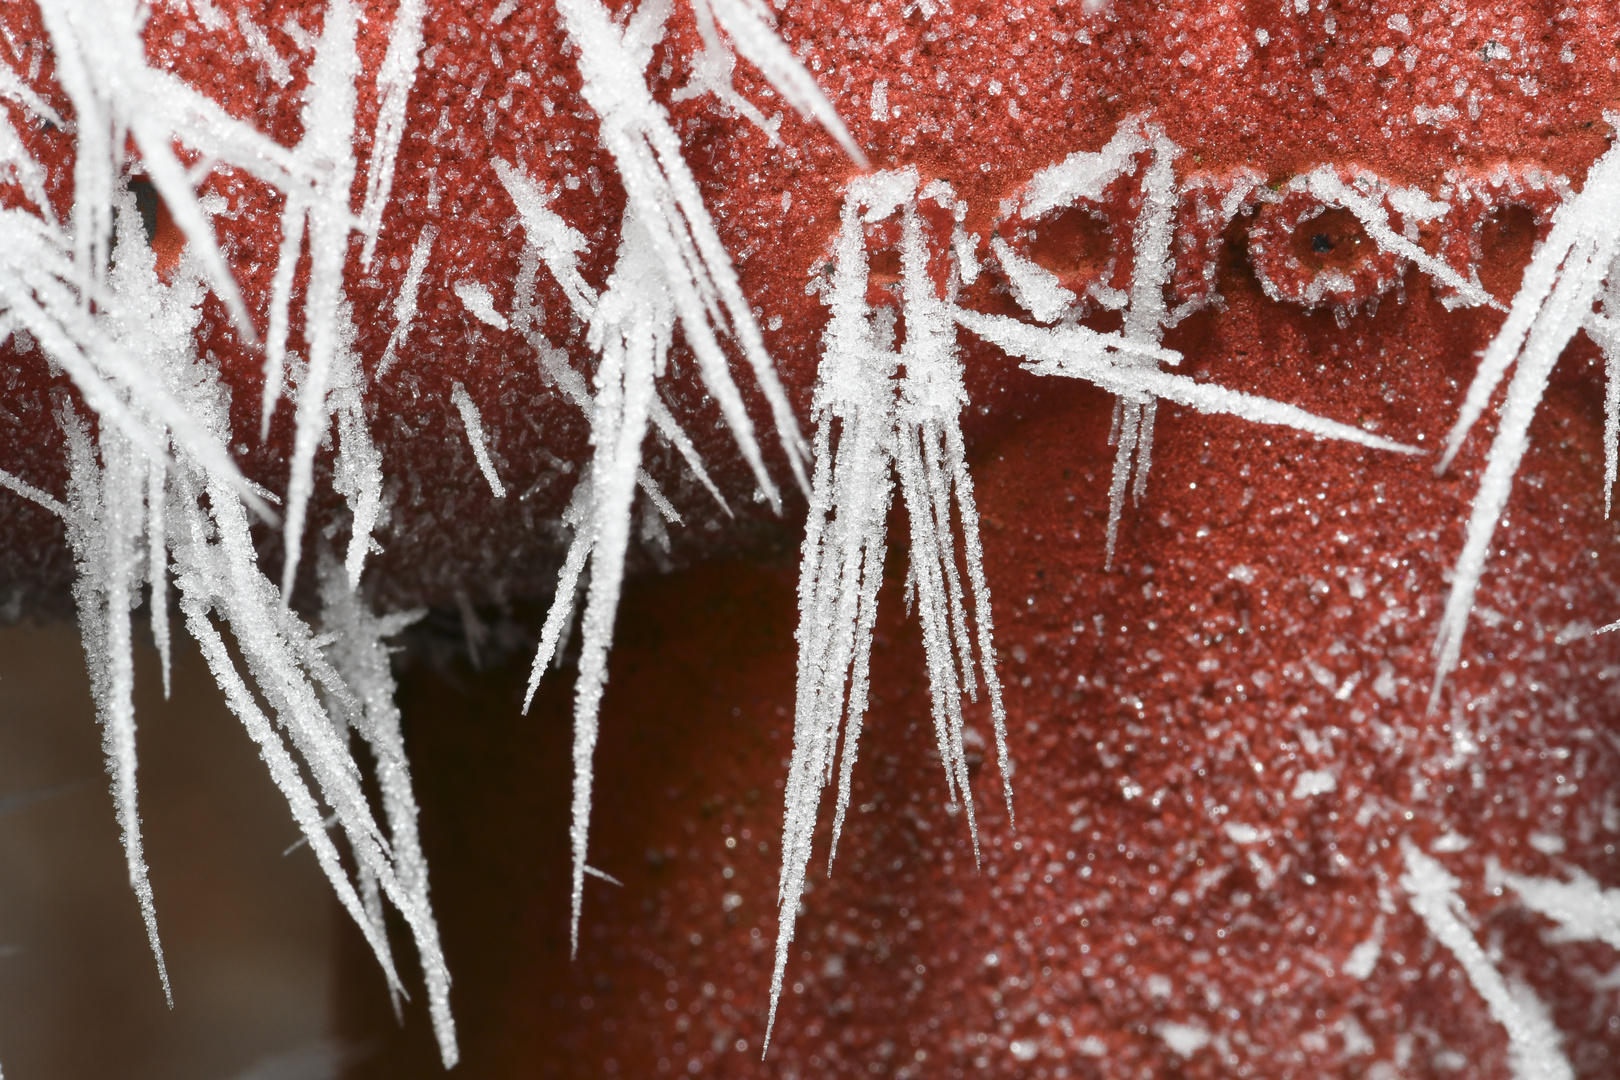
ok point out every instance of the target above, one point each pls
(155, 499)
(154, 495)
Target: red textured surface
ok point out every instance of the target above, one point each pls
(1150, 707)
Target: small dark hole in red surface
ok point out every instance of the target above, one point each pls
(1072, 241)
(1332, 239)
(1506, 241)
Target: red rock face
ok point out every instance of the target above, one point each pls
(1221, 745)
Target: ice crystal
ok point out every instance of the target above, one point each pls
(671, 270)
(394, 81)
(1127, 363)
(1565, 278)
(1534, 1051)
(474, 425)
(882, 412)
(1583, 909)
(153, 489)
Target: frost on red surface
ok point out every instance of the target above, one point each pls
(1221, 745)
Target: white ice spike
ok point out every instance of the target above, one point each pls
(1128, 363)
(1534, 1050)
(153, 489)
(692, 265)
(883, 413)
(1565, 277)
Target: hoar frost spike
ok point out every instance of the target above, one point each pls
(153, 487)
(1534, 1052)
(1564, 280)
(672, 269)
(1127, 362)
(875, 421)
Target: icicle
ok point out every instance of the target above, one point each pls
(106, 522)
(873, 424)
(405, 303)
(693, 267)
(394, 81)
(474, 425)
(1534, 1052)
(157, 565)
(327, 150)
(361, 658)
(158, 480)
(1554, 300)
(1605, 330)
(101, 65)
(357, 469)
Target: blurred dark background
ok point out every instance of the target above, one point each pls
(247, 930)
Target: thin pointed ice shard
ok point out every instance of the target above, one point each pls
(1555, 300)
(875, 424)
(1534, 1050)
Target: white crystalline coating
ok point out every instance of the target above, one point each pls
(1605, 330)
(101, 66)
(1185, 1039)
(695, 270)
(357, 468)
(1083, 175)
(258, 43)
(104, 529)
(874, 424)
(712, 71)
(1033, 285)
(13, 88)
(1104, 359)
(557, 242)
(405, 302)
(155, 481)
(35, 495)
(631, 330)
(1534, 1046)
(1241, 833)
(1325, 184)
(747, 23)
(1314, 782)
(1128, 362)
(361, 656)
(1555, 299)
(880, 100)
(672, 268)
(18, 167)
(322, 207)
(157, 564)
(1583, 909)
(474, 425)
(1363, 959)
(394, 81)
(476, 298)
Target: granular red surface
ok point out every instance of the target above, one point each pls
(1220, 744)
